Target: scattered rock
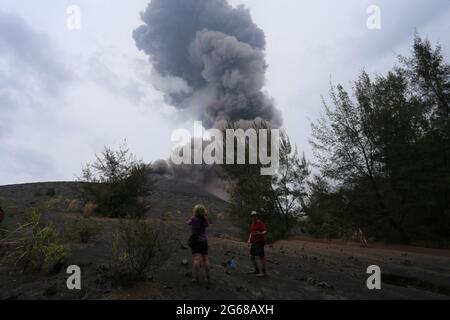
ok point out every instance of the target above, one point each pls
(149, 278)
(229, 272)
(184, 247)
(311, 281)
(188, 274)
(258, 295)
(185, 262)
(325, 285)
(407, 263)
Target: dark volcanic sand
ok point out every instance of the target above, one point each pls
(298, 268)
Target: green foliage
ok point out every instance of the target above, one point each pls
(118, 184)
(278, 198)
(135, 247)
(36, 246)
(83, 231)
(387, 152)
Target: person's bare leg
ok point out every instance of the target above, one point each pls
(255, 264)
(197, 258)
(263, 263)
(207, 269)
(263, 272)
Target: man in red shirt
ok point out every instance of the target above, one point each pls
(258, 231)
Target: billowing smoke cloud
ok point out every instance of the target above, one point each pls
(212, 58)
(209, 61)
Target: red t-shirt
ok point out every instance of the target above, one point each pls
(258, 225)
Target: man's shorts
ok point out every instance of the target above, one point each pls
(257, 250)
(200, 247)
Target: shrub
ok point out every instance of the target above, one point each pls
(134, 248)
(82, 231)
(89, 209)
(118, 183)
(36, 246)
(73, 205)
(38, 193)
(51, 192)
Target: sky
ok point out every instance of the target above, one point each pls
(65, 94)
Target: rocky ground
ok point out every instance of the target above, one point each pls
(299, 268)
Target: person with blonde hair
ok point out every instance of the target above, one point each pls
(199, 242)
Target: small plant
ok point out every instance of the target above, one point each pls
(51, 192)
(36, 246)
(73, 205)
(38, 194)
(82, 231)
(134, 248)
(53, 203)
(89, 210)
(118, 183)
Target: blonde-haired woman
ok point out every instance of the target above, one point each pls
(199, 241)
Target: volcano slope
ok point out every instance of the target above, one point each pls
(299, 268)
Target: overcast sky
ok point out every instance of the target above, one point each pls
(64, 94)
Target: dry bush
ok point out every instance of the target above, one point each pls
(89, 210)
(73, 205)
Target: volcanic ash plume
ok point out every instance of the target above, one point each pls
(209, 61)
(210, 58)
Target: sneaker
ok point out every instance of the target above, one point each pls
(261, 275)
(254, 272)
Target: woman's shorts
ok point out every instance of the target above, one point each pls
(200, 247)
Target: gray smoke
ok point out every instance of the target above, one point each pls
(211, 57)
(209, 61)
